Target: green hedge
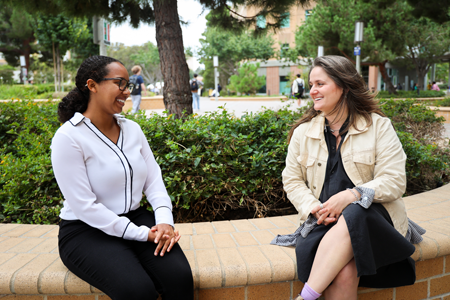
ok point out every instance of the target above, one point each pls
(213, 165)
(29, 91)
(411, 94)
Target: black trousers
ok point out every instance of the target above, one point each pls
(125, 269)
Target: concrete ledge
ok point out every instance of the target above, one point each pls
(442, 112)
(229, 259)
(274, 98)
(155, 102)
(418, 99)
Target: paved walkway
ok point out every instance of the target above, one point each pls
(240, 107)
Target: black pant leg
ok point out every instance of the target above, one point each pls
(106, 262)
(171, 273)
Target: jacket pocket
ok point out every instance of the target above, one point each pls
(365, 164)
(307, 165)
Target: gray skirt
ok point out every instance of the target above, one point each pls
(381, 253)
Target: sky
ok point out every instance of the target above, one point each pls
(189, 11)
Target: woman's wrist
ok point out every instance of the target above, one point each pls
(355, 194)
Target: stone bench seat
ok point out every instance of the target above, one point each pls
(229, 259)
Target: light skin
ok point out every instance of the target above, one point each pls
(105, 100)
(337, 266)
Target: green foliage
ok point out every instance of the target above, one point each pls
(61, 32)
(42, 71)
(231, 48)
(437, 10)
(6, 72)
(411, 94)
(146, 56)
(443, 102)
(28, 190)
(425, 42)
(28, 91)
(16, 33)
(420, 131)
(211, 164)
(332, 25)
(441, 74)
(247, 80)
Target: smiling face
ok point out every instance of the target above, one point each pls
(106, 97)
(324, 91)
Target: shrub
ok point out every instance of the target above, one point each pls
(443, 102)
(29, 91)
(215, 166)
(28, 189)
(247, 81)
(6, 74)
(420, 132)
(411, 94)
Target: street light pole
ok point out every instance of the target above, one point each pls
(320, 51)
(359, 29)
(216, 76)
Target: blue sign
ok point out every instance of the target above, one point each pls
(357, 50)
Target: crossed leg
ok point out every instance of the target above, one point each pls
(334, 262)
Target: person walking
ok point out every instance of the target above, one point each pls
(298, 87)
(195, 86)
(103, 164)
(345, 174)
(139, 86)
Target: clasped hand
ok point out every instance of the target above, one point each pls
(332, 208)
(165, 236)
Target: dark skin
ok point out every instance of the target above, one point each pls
(105, 100)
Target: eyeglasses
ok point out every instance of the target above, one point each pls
(123, 83)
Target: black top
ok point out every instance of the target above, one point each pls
(336, 179)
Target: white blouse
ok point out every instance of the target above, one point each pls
(101, 180)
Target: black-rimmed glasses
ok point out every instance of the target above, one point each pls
(123, 83)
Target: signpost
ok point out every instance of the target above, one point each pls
(101, 29)
(216, 75)
(320, 51)
(359, 29)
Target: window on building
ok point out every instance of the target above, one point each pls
(308, 12)
(285, 23)
(284, 49)
(261, 21)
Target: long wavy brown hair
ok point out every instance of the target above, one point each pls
(356, 96)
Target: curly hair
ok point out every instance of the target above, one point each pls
(95, 68)
(356, 97)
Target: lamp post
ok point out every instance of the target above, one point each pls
(320, 51)
(216, 75)
(359, 29)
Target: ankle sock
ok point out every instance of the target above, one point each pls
(308, 293)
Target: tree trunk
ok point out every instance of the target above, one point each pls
(58, 68)
(386, 78)
(422, 67)
(26, 53)
(176, 92)
(54, 66)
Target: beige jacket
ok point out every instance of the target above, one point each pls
(372, 158)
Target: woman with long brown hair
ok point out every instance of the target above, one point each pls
(345, 174)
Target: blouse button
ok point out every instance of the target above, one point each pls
(314, 187)
(319, 164)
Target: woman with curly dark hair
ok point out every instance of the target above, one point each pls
(103, 163)
(345, 174)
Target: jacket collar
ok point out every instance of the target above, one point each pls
(317, 126)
